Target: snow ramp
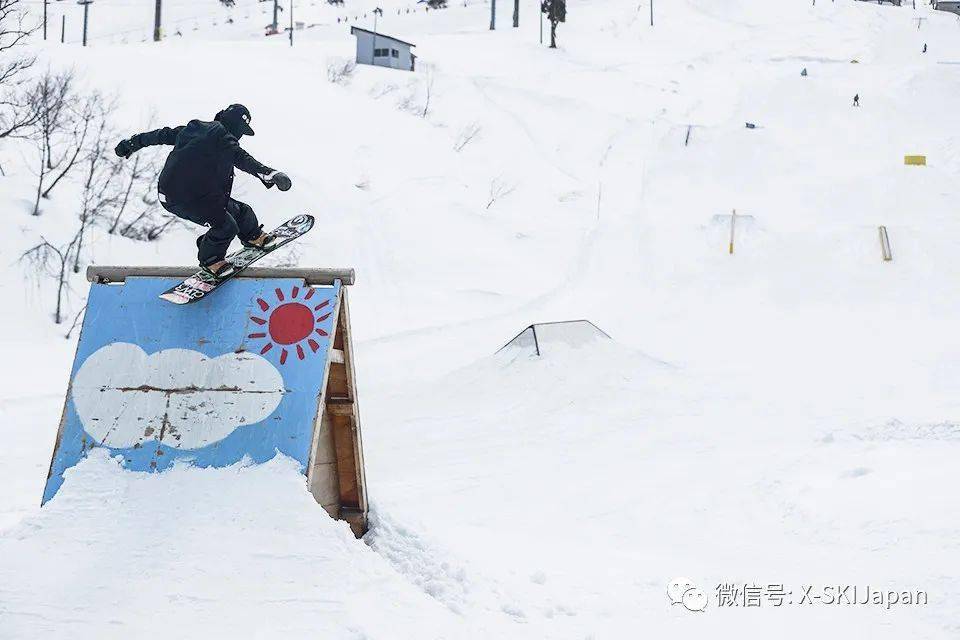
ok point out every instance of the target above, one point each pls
(264, 366)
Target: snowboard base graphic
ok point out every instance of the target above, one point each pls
(202, 283)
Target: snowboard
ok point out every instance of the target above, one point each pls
(202, 284)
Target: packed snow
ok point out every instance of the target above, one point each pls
(788, 414)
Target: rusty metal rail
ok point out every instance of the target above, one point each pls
(118, 274)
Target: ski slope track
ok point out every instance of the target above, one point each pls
(779, 413)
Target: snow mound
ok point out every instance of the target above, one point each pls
(242, 552)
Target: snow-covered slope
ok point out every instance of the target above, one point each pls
(783, 415)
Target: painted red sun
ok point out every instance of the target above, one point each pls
(291, 324)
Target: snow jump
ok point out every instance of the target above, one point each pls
(266, 367)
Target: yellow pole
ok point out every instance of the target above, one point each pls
(733, 225)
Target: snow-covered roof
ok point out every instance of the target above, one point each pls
(353, 32)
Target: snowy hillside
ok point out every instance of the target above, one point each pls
(785, 415)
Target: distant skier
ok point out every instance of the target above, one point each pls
(856, 100)
(924, 47)
(804, 72)
(197, 178)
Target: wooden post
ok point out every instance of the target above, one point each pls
(733, 226)
(63, 28)
(885, 244)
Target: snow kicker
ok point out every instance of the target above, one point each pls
(264, 367)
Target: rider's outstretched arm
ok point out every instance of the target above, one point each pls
(248, 164)
(166, 135)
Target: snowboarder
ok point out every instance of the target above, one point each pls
(197, 178)
(856, 100)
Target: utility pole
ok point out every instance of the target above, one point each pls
(63, 28)
(374, 58)
(156, 22)
(45, 3)
(86, 14)
(276, 9)
(493, 14)
(651, 12)
(516, 13)
(291, 23)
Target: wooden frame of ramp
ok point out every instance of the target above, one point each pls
(335, 472)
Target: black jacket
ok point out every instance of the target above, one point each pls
(202, 161)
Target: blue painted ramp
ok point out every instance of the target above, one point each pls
(238, 375)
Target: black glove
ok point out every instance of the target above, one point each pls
(278, 178)
(124, 149)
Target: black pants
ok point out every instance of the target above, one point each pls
(227, 219)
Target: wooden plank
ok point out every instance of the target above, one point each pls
(119, 274)
(360, 481)
(336, 453)
(885, 244)
(320, 480)
(338, 382)
(341, 408)
(343, 440)
(326, 490)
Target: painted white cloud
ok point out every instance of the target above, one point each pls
(178, 396)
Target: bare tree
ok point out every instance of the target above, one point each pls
(149, 220)
(467, 134)
(100, 192)
(61, 129)
(75, 132)
(340, 70)
(416, 99)
(82, 121)
(76, 321)
(52, 261)
(17, 116)
(499, 188)
(428, 92)
(135, 182)
(130, 180)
